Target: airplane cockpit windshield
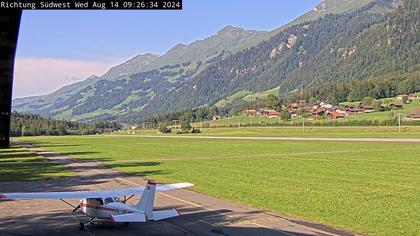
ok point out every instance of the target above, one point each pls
(109, 200)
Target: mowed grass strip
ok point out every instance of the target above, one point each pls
(311, 132)
(371, 188)
(324, 132)
(19, 164)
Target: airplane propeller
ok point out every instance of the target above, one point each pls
(76, 208)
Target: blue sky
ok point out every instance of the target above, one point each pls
(75, 41)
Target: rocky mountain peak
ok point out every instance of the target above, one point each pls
(92, 77)
(230, 30)
(322, 6)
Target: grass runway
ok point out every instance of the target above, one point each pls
(19, 164)
(371, 188)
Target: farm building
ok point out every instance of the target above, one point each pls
(400, 98)
(249, 112)
(217, 117)
(416, 114)
(336, 115)
(413, 96)
(270, 113)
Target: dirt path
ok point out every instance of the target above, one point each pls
(201, 214)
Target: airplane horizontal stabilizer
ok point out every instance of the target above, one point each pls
(160, 215)
(131, 217)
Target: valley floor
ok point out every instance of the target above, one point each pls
(307, 132)
(363, 187)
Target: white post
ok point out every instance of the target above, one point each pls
(303, 125)
(399, 122)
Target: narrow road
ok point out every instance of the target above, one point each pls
(201, 214)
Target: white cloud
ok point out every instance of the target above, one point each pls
(38, 76)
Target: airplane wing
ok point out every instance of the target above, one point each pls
(91, 194)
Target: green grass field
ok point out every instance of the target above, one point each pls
(19, 164)
(371, 188)
(322, 132)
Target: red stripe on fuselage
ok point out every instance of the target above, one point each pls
(97, 207)
(151, 183)
(112, 217)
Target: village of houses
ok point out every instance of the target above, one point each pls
(322, 109)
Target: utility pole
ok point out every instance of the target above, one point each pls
(399, 122)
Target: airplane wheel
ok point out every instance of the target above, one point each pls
(126, 223)
(81, 226)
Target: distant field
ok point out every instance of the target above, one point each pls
(379, 116)
(323, 132)
(19, 164)
(407, 110)
(370, 188)
(248, 96)
(333, 132)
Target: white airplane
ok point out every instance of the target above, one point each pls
(106, 204)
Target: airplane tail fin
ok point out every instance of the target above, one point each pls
(147, 200)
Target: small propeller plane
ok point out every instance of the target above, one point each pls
(107, 204)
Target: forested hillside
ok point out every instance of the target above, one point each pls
(388, 48)
(34, 125)
(296, 58)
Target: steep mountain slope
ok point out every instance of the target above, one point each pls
(203, 50)
(391, 46)
(132, 66)
(55, 103)
(325, 7)
(273, 62)
(135, 81)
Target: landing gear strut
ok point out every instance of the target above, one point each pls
(82, 225)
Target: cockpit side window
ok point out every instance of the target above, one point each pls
(109, 200)
(117, 199)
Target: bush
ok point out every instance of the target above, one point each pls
(164, 129)
(195, 131)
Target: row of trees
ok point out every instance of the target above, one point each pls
(376, 88)
(34, 125)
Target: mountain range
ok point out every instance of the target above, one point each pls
(339, 40)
